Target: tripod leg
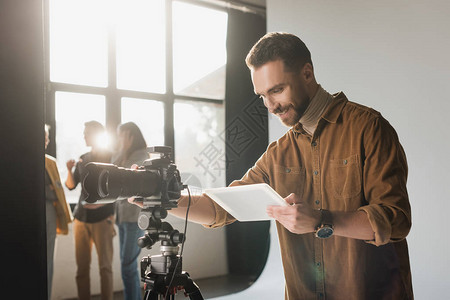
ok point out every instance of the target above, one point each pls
(150, 295)
(154, 294)
(191, 288)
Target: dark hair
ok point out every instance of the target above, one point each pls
(279, 45)
(138, 138)
(95, 126)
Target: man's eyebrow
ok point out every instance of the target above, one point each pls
(275, 87)
(271, 89)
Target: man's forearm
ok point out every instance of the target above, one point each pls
(353, 225)
(201, 210)
(70, 182)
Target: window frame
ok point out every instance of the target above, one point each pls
(112, 94)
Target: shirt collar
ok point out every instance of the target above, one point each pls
(315, 109)
(332, 112)
(335, 108)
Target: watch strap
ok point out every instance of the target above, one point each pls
(326, 218)
(325, 228)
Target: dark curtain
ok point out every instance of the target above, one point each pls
(22, 207)
(246, 139)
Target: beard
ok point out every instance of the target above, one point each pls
(290, 115)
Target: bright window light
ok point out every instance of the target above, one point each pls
(199, 150)
(79, 42)
(72, 110)
(140, 45)
(199, 51)
(148, 115)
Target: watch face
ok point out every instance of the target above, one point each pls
(324, 232)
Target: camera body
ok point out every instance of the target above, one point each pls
(169, 185)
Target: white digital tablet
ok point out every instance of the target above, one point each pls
(246, 202)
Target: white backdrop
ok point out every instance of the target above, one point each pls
(393, 56)
(270, 284)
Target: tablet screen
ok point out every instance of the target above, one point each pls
(246, 202)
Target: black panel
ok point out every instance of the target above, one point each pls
(246, 139)
(22, 210)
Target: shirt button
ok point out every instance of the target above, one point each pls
(345, 161)
(317, 202)
(288, 170)
(314, 144)
(318, 264)
(316, 172)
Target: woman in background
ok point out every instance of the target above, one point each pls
(58, 213)
(131, 150)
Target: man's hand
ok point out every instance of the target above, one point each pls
(298, 217)
(92, 206)
(70, 164)
(70, 181)
(138, 203)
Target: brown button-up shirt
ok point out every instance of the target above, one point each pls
(354, 161)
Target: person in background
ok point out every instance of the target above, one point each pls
(132, 149)
(94, 223)
(57, 210)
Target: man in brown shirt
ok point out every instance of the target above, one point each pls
(342, 169)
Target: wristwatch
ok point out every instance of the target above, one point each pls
(325, 228)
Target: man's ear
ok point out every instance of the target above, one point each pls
(308, 72)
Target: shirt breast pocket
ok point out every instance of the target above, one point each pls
(289, 179)
(346, 177)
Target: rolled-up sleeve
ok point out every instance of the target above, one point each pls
(255, 174)
(222, 216)
(385, 174)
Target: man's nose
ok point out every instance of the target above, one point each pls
(271, 105)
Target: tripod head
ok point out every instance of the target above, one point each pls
(156, 230)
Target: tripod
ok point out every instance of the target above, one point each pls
(162, 274)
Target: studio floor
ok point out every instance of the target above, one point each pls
(210, 287)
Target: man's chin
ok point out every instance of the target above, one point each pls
(289, 122)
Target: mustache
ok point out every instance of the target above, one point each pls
(280, 110)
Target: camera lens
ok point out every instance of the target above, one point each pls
(103, 184)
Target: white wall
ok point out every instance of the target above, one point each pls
(270, 284)
(204, 255)
(395, 57)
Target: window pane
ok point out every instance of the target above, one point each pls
(71, 113)
(78, 42)
(140, 46)
(199, 51)
(148, 116)
(199, 150)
